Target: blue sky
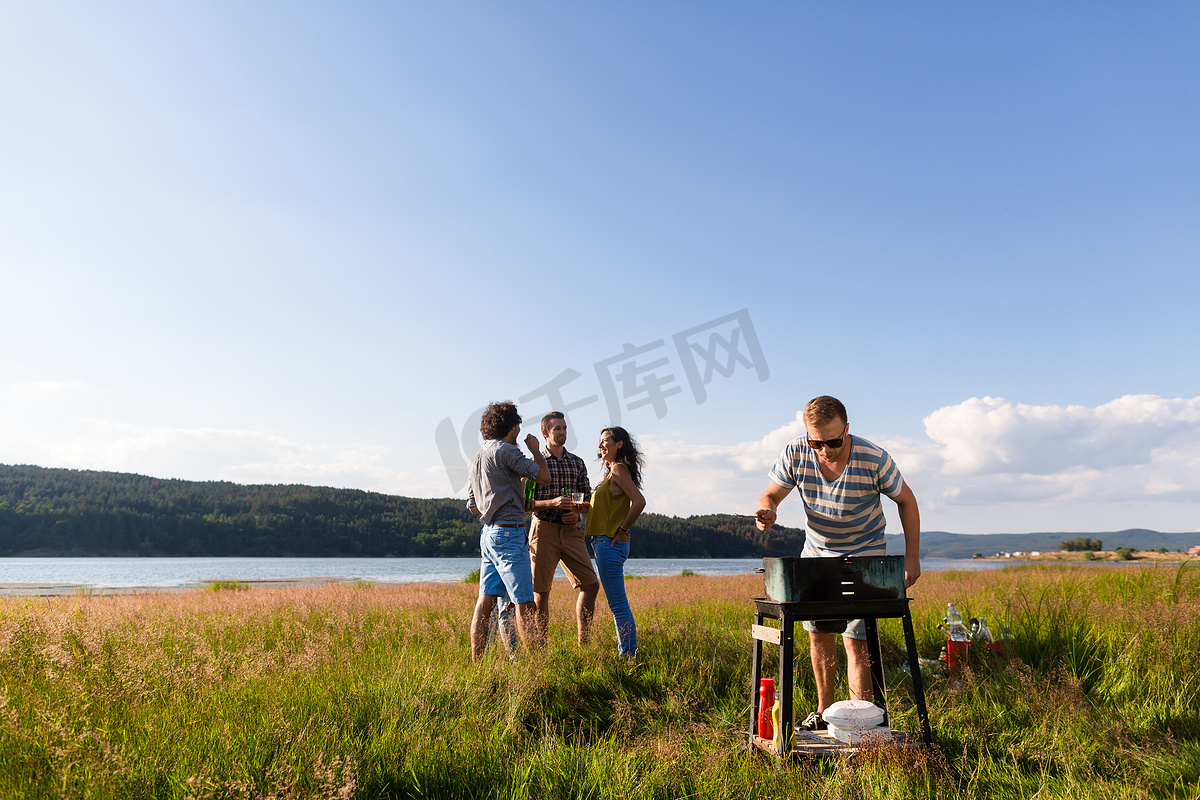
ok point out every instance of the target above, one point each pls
(285, 242)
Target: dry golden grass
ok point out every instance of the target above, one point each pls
(367, 691)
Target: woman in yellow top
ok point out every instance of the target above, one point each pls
(616, 504)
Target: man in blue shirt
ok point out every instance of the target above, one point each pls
(840, 479)
(496, 494)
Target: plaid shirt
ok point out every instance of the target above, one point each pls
(567, 473)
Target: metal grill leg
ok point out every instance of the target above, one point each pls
(787, 624)
(878, 688)
(918, 682)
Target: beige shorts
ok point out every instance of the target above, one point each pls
(551, 542)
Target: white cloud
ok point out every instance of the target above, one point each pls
(67, 423)
(242, 456)
(995, 436)
(986, 463)
(684, 478)
(988, 457)
(992, 450)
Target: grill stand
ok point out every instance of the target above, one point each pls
(788, 614)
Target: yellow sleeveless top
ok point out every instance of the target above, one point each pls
(607, 512)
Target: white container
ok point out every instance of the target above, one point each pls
(855, 721)
(855, 736)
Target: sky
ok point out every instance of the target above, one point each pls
(308, 242)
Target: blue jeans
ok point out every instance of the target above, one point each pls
(610, 565)
(504, 570)
(503, 626)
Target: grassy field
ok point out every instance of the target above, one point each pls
(366, 691)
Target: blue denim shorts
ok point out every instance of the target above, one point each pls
(855, 628)
(505, 570)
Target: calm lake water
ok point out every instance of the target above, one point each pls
(131, 573)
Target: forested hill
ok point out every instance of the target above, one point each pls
(60, 512)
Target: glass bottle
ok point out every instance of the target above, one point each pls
(954, 625)
(530, 489)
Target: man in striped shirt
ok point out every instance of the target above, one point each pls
(840, 479)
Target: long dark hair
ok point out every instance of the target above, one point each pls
(627, 454)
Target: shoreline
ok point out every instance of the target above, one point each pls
(48, 589)
(1100, 557)
(35, 590)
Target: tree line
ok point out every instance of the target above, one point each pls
(62, 512)
(1081, 544)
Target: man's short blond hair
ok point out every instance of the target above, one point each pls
(824, 410)
(553, 415)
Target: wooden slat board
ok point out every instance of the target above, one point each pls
(763, 744)
(763, 633)
(821, 743)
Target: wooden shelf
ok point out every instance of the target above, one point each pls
(821, 743)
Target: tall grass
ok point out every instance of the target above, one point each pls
(367, 691)
(227, 585)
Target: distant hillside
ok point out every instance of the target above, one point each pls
(58, 512)
(938, 544)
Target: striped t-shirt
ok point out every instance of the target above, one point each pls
(845, 517)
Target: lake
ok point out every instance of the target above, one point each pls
(19, 575)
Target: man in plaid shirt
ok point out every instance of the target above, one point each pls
(554, 536)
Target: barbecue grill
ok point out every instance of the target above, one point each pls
(830, 591)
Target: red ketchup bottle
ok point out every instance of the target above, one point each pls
(766, 699)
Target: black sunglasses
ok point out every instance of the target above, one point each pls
(832, 444)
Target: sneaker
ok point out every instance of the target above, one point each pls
(813, 722)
